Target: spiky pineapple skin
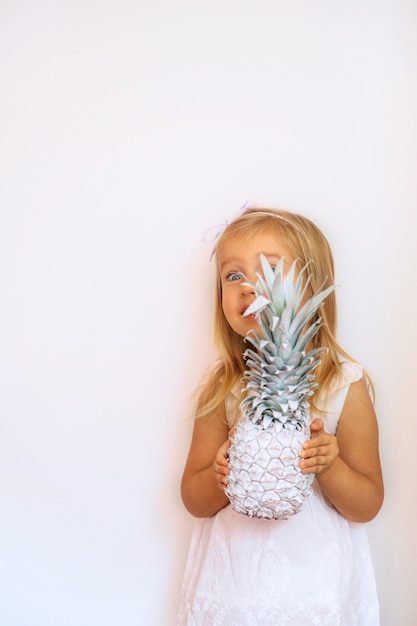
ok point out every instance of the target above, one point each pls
(265, 479)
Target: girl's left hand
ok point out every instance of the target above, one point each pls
(319, 452)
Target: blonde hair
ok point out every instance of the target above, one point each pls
(307, 244)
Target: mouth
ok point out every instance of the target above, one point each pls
(247, 317)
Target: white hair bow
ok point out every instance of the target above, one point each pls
(214, 232)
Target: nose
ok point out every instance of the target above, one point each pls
(247, 290)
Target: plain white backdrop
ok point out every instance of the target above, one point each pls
(127, 129)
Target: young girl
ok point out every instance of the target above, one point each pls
(315, 567)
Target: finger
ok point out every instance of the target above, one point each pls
(320, 439)
(221, 460)
(312, 465)
(221, 478)
(317, 427)
(221, 469)
(222, 456)
(225, 447)
(317, 460)
(310, 451)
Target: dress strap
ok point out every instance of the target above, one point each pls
(333, 404)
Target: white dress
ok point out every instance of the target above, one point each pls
(313, 569)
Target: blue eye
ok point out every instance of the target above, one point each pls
(234, 276)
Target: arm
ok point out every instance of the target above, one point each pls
(206, 466)
(348, 467)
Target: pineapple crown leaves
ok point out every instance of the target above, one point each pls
(281, 297)
(279, 375)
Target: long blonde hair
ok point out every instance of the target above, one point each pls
(307, 244)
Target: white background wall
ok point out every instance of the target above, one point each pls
(127, 129)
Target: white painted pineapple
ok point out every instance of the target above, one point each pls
(265, 479)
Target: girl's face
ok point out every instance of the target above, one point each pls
(238, 263)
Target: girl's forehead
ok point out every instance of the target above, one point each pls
(255, 240)
(251, 246)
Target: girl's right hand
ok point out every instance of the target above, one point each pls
(221, 465)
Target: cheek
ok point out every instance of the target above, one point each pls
(227, 303)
